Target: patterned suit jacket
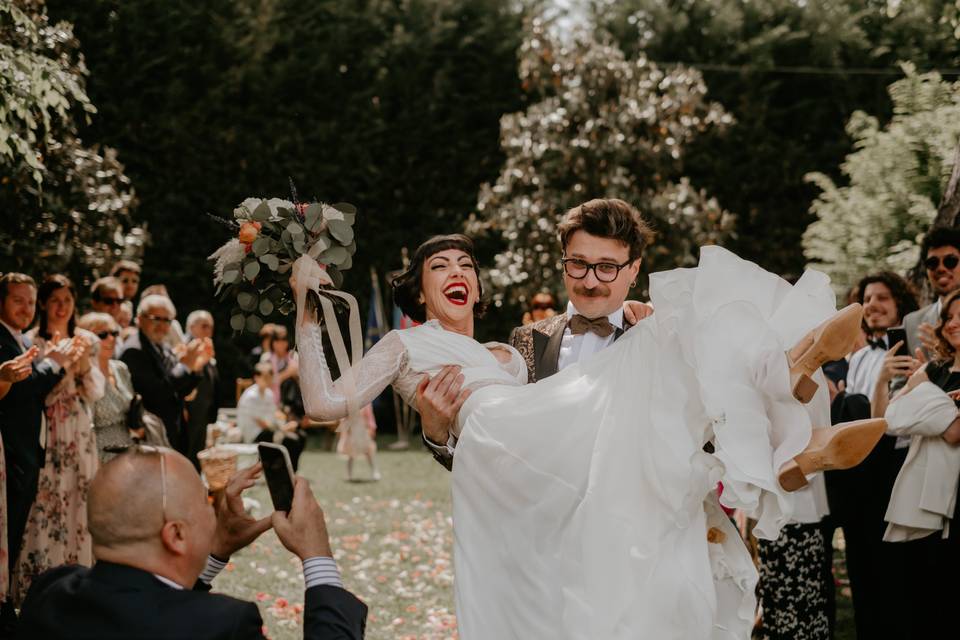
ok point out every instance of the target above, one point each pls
(539, 344)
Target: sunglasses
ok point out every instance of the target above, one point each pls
(110, 301)
(159, 319)
(542, 306)
(949, 262)
(149, 449)
(103, 334)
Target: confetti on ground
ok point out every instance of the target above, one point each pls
(392, 540)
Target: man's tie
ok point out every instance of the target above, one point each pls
(600, 326)
(879, 343)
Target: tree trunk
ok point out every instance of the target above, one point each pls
(948, 215)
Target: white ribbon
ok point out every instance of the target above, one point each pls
(308, 275)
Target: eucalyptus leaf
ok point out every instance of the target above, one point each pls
(237, 322)
(250, 270)
(347, 262)
(345, 207)
(284, 268)
(321, 244)
(261, 213)
(266, 307)
(274, 293)
(329, 213)
(294, 229)
(341, 230)
(261, 246)
(231, 275)
(352, 247)
(333, 256)
(336, 276)
(313, 218)
(271, 261)
(285, 237)
(247, 300)
(254, 324)
(299, 245)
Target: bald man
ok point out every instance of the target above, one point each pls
(159, 544)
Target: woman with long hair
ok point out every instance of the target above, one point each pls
(56, 531)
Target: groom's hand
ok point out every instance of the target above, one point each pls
(438, 401)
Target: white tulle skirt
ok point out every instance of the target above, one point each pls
(582, 503)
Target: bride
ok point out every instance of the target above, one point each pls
(584, 505)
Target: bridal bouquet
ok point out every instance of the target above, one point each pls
(252, 269)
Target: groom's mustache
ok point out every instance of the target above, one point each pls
(595, 292)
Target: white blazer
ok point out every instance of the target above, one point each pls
(925, 492)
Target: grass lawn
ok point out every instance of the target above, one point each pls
(393, 542)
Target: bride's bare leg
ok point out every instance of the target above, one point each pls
(838, 447)
(832, 340)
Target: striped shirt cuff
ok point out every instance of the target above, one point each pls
(320, 570)
(212, 570)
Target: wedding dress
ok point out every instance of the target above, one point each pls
(581, 503)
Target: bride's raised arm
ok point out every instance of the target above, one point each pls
(325, 399)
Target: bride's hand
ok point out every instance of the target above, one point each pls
(634, 311)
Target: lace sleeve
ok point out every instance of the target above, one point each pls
(323, 398)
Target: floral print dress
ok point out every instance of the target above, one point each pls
(56, 531)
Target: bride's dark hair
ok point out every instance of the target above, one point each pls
(407, 286)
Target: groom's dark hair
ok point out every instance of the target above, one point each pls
(608, 218)
(407, 285)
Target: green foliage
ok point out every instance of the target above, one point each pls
(69, 202)
(895, 181)
(603, 126)
(790, 73)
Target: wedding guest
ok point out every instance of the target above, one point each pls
(111, 412)
(858, 497)
(266, 335)
(359, 439)
(257, 407)
(159, 545)
(56, 530)
(202, 403)
(286, 388)
(106, 295)
(923, 506)
(542, 306)
(260, 420)
(11, 372)
(128, 273)
(125, 320)
(158, 376)
(175, 337)
(941, 257)
(22, 418)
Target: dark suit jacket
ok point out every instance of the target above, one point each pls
(201, 411)
(117, 601)
(163, 389)
(21, 412)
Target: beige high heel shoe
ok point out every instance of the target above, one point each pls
(832, 340)
(841, 446)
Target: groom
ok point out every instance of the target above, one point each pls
(603, 241)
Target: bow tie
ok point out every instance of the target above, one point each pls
(600, 326)
(877, 344)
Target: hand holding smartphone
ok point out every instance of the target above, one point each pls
(279, 474)
(895, 335)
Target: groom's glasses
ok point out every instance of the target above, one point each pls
(603, 271)
(148, 449)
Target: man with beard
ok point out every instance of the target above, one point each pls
(941, 257)
(858, 497)
(602, 241)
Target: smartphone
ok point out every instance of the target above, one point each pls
(279, 474)
(895, 335)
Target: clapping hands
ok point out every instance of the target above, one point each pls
(69, 352)
(197, 353)
(19, 368)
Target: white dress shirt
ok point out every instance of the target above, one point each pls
(865, 367)
(577, 348)
(317, 571)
